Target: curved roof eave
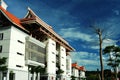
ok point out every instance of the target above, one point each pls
(12, 18)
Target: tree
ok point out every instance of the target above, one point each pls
(39, 69)
(99, 32)
(114, 57)
(36, 69)
(73, 77)
(59, 72)
(31, 70)
(3, 67)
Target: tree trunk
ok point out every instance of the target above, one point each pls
(98, 74)
(115, 70)
(100, 49)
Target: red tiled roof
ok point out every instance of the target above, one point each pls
(75, 65)
(82, 68)
(12, 18)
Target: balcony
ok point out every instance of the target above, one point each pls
(34, 63)
(35, 41)
(35, 51)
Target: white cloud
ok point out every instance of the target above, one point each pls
(106, 42)
(74, 34)
(117, 12)
(89, 60)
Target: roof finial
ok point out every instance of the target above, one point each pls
(3, 4)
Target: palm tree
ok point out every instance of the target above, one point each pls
(114, 57)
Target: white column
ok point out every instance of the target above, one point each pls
(34, 76)
(51, 56)
(38, 76)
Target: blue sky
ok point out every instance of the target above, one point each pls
(71, 20)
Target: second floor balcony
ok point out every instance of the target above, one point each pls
(35, 50)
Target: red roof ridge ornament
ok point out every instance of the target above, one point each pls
(3, 4)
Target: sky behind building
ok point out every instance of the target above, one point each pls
(71, 20)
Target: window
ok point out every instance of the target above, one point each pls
(53, 61)
(1, 36)
(20, 41)
(0, 48)
(53, 44)
(19, 53)
(62, 49)
(53, 53)
(19, 66)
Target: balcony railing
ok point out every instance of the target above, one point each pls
(35, 41)
(30, 62)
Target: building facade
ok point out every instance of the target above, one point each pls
(78, 72)
(33, 50)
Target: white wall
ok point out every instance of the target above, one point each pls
(75, 72)
(17, 47)
(5, 42)
(63, 59)
(51, 56)
(11, 46)
(82, 74)
(69, 65)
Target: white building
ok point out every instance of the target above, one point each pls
(31, 42)
(78, 72)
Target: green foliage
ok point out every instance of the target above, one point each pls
(113, 53)
(36, 69)
(39, 69)
(73, 77)
(115, 50)
(3, 61)
(92, 75)
(108, 49)
(3, 67)
(83, 79)
(118, 75)
(59, 71)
